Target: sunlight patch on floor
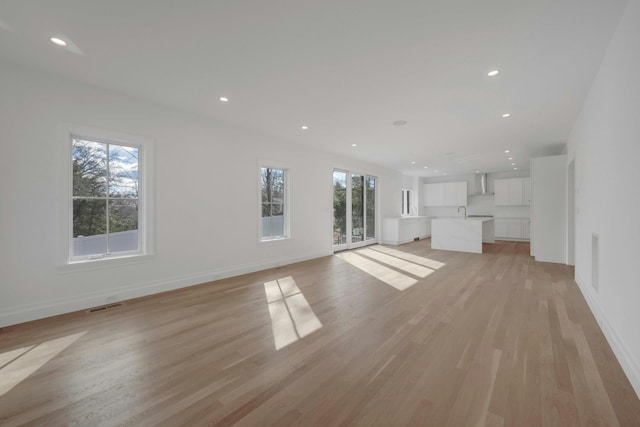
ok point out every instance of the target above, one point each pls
(416, 259)
(291, 315)
(400, 264)
(17, 365)
(387, 275)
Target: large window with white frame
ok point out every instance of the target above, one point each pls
(106, 203)
(274, 203)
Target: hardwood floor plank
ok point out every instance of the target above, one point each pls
(383, 336)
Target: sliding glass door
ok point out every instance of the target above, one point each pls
(339, 210)
(354, 210)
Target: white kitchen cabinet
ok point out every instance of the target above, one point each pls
(512, 228)
(434, 194)
(446, 194)
(501, 196)
(515, 191)
(526, 191)
(526, 228)
(512, 191)
(396, 231)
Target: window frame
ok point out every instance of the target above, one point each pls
(286, 211)
(69, 133)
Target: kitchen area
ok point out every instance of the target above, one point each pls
(461, 213)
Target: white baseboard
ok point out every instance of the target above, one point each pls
(627, 362)
(27, 313)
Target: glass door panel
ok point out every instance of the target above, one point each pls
(354, 210)
(339, 209)
(357, 208)
(370, 197)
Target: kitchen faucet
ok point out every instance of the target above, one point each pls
(465, 211)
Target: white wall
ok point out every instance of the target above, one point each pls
(205, 210)
(549, 209)
(605, 144)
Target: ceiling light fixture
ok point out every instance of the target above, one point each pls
(426, 167)
(506, 151)
(304, 127)
(354, 145)
(493, 73)
(413, 163)
(515, 169)
(445, 174)
(58, 41)
(510, 158)
(506, 115)
(224, 99)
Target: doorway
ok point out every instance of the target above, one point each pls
(354, 209)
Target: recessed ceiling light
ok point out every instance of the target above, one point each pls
(58, 41)
(510, 158)
(515, 169)
(354, 145)
(506, 151)
(304, 127)
(400, 123)
(506, 115)
(413, 163)
(445, 174)
(493, 73)
(224, 99)
(426, 167)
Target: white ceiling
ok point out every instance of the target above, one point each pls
(345, 68)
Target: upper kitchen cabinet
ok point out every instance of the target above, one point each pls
(446, 194)
(512, 192)
(526, 191)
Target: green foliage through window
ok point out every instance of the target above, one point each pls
(105, 196)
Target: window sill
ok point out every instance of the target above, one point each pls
(104, 262)
(274, 240)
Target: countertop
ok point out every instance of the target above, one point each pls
(459, 218)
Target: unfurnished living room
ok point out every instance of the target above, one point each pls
(319, 213)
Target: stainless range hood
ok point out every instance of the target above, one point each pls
(482, 186)
(483, 183)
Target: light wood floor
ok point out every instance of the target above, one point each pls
(492, 339)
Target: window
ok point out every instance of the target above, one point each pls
(406, 202)
(274, 203)
(106, 199)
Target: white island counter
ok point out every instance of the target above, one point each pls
(460, 234)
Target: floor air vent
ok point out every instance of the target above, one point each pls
(104, 307)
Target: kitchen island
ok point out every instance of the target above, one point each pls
(460, 234)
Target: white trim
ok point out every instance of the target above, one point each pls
(29, 312)
(617, 344)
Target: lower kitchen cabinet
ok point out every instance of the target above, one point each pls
(396, 231)
(512, 228)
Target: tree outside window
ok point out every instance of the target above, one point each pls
(273, 203)
(105, 198)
